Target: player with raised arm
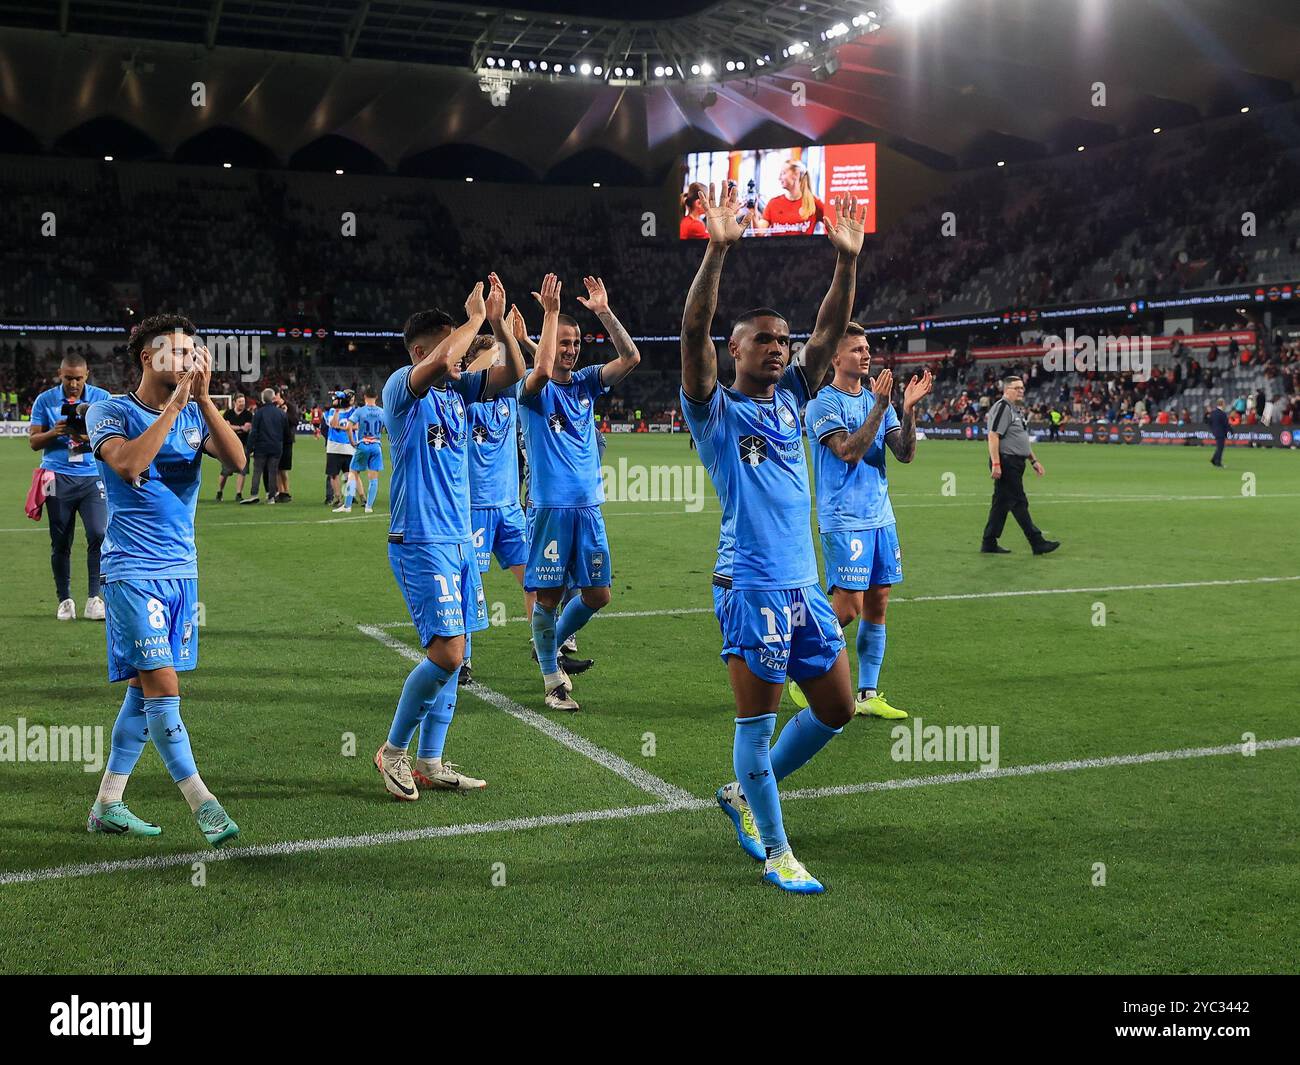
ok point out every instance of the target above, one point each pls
(430, 544)
(774, 617)
(566, 530)
(149, 444)
(496, 516)
(849, 428)
(364, 427)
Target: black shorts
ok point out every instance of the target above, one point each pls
(336, 464)
(286, 459)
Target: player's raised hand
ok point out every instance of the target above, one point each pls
(475, 306)
(720, 217)
(184, 386)
(495, 304)
(203, 373)
(515, 321)
(847, 232)
(549, 297)
(883, 385)
(597, 299)
(917, 389)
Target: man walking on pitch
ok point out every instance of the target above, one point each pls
(78, 489)
(1009, 451)
(267, 443)
(849, 428)
(1220, 428)
(567, 544)
(149, 444)
(430, 544)
(774, 617)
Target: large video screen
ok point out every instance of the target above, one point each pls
(791, 188)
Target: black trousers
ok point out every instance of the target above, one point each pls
(1009, 498)
(1219, 441)
(73, 496)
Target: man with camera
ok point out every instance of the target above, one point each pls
(58, 429)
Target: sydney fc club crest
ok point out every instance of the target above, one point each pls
(787, 416)
(437, 437)
(193, 437)
(753, 450)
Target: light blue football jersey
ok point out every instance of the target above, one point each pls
(339, 435)
(854, 497)
(560, 439)
(370, 423)
(428, 437)
(753, 450)
(493, 453)
(151, 522)
(61, 456)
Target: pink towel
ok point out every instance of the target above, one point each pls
(42, 482)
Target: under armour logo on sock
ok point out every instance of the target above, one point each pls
(765, 773)
(173, 731)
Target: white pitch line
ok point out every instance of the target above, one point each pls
(941, 598)
(633, 774)
(521, 824)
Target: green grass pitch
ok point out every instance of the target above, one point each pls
(981, 875)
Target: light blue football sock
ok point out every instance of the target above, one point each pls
(423, 685)
(802, 737)
(169, 735)
(753, 764)
(576, 614)
(130, 733)
(350, 492)
(544, 639)
(372, 493)
(437, 720)
(871, 653)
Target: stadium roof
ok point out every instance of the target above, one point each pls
(961, 82)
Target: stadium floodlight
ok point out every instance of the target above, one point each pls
(532, 64)
(490, 61)
(469, 179)
(545, 65)
(1002, 162)
(1245, 110)
(838, 30)
(108, 158)
(659, 72)
(338, 172)
(707, 70)
(227, 166)
(573, 68)
(1156, 129)
(695, 68)
(598, 71)
(795, 49)
(515, 63)
(585, 69)
(731, 64)
(740, 64)
(1079, 149)
(595, 184)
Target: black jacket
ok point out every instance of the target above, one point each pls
(1219, 424)
(267, 437)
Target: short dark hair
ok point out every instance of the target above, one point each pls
(568, 319)
(148, 329)
(855, 330)
(422, 323)
(757, 312)
(370, 392)
(73, 361)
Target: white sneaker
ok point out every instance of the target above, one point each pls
(445, 776)
(94, 609)
(342, 510)
(370, 510)
(67, 611)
